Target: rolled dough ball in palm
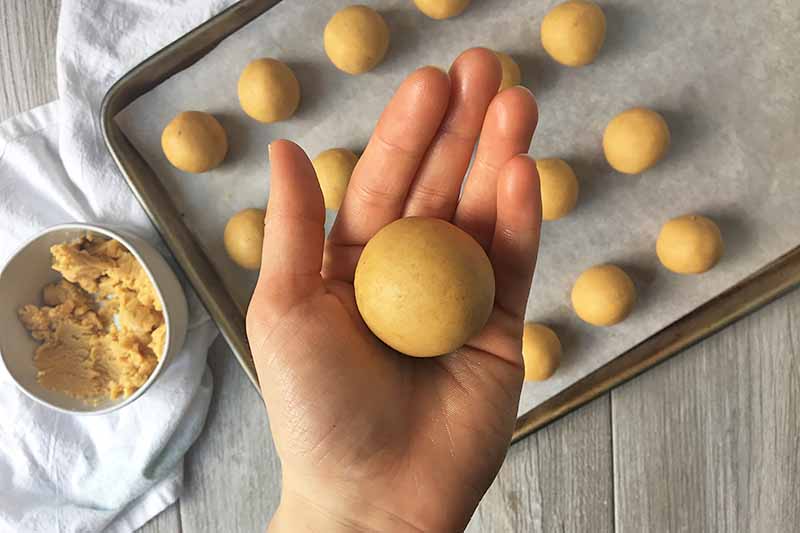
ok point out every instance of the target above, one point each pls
(559, 188)
(244, 237)
(603, 295)
(424, 286)
(333, 168)
(442, 9)
(356, 39)
(573, 32)
(635, 140)
(194, 141)
(541, 351)
(268, 90)
(689, 244)
(512, 76)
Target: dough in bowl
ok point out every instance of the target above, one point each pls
(244, 236)
(268, 90)
(442, 9)
(689, 244)
(101, 328)
(194, 141)
(635, 140)
(333, 168)
(573, 32)
(603, 295)
(356, 39)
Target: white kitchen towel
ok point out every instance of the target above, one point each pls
(113, 472)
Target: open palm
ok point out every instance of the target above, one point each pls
(368, 437)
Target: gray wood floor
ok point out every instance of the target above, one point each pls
(708, 441)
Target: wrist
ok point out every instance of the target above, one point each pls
(332, 510)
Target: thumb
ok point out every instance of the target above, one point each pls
(294, 235)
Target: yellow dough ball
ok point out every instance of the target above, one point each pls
(573, 32)
(194, 141)
(356, 39)
(424, 286)
(244, 236)
(541, 351)
(559, 188)
(333, 168)
(690, 244)
(442, 9)
(603, 295)
(635, 140)
(512, 76)
(268, 90)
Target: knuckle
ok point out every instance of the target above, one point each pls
(488, 166)
(458, 134)
(431, 199)
(371, 196)
(394, 147)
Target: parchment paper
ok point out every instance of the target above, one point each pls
(725, 74)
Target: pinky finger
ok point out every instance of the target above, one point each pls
(516, 235)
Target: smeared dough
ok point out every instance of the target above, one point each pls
(84, 353)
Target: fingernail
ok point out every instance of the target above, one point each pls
(440, 69)
(525, 88)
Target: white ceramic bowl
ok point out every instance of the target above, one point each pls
(21, 282)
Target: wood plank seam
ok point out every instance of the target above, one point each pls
(178, 509)
(612, 462)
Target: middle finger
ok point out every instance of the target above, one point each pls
(475, 76)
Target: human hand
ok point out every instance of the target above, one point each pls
(370, 439)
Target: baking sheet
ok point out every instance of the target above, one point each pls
(723, 73)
